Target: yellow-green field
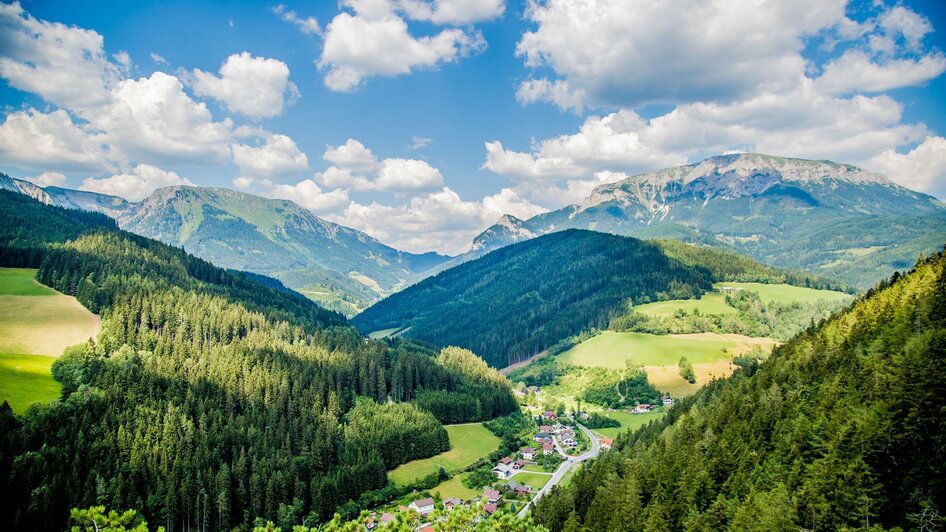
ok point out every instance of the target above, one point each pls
(37, 320)
(454, 488)
(36, 325)
(628, 422)
(25, 379)
(611, 349)
(784, 293)
(468, 443)
(711, 303)
(533, 480)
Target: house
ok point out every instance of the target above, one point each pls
(583, 416)
(548, 448)
(528, 453)
(642, 408)
(534, 389)
(542, 436)
(667, 400)
(731, 289)
(606, 443)
(490, 508)
(522, 489)
(502, 472)
(491, 496)
(519, 464)
(422, 506)
(387, 518)
(428, 528)
(548, 414)
(371, 524)
(506, 460)
(545, 428)
(451, 502)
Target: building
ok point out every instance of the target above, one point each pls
(522, 489)
(422, 506)
(542, 437)
(491, 496)
(641, 409)
(667, 400)
(606, 443)
(548, 414)
(545, 428)
(519, 464)
(506, 460)
(548, 448)
(528, 453)
(502, 472)
(490, 508)
(387, 517)
(451, 502)
(371, 524)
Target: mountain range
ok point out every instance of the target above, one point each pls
(342, 268)
(834, 220)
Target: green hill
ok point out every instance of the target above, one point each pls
(205, 385)
(841, 428)
(519, 300)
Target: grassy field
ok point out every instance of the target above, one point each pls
(711, 303)
(784, 293)
(628, 422)
(25, 379)
(611, 349)
(468, 443)
(533, 480)
(37, 320)
(455, 488)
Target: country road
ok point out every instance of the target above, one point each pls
(568, 464)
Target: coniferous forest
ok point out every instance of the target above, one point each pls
(842, 428)
(210, 399)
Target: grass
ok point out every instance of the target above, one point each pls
(455, 488)
(468, 443)
(533, 480)
(25, 379)
(611, 349)
(711, 303)
(383, 333)
(535, 468)
(784, 293)
(37, 320)
(22, 282)
(567, 479)
(628, 422)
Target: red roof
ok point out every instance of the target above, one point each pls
(506, 460)
(489, 508)
(492, 495)
(386, 517)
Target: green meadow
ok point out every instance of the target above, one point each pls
(711, 303)
(628, 422)
(611, 349)
(468, 443)
(785, 293)
(533, 480)
(25, 379)
(454, 488)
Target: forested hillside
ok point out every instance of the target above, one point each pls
(841, 428)
(208, 399)
(518, 300)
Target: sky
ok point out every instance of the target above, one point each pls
(421, 122)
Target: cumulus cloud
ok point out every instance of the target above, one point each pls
(257, 87)
(353, 155)
(308, 194)
(48, 179)
(277, 156)
(65, 65)
(135, 185)
(457, 12)
(419, 143)
(922, 168)
(157, 58)
(307, 25)
(33, 139)
(855, 71)
(373, 40)
(407, 174)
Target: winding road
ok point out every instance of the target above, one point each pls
(569, 463)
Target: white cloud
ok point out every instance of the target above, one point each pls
(136, 185)
(616, 53)
(557, 92)
(456, 12)
(277, 156)
(307, 25)
(419, 143)
(157, 58)
(855, 71)
(308, 194)
(407, 174)
(922, 168)
(254, 86)
(438, 220)
(152, 119)
(65, 65)
(44, 141)
(899, 22)
(352, 155)
(375, 41)
(48, 179)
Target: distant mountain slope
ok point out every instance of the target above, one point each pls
(519, 300)
(342, 268)
(831, 219)
(842, 428)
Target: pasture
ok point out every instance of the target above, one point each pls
(468, 443)
(628, 422)
(785, 293)
(533, 480)
(25, 379)
(711, 303)
(454, 488)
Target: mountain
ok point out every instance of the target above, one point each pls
(842, 428)
(341, 268)
(521, 299)
(834, 220)
(205, 385)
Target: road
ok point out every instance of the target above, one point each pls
(569, 463)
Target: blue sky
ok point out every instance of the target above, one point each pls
(428, 119)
